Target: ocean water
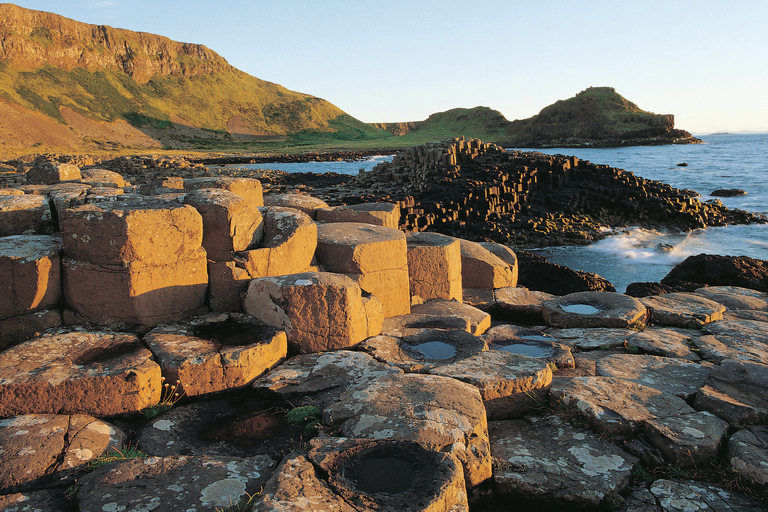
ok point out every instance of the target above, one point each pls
(722, 162)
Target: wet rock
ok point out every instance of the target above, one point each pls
(175, 484)
(379, 214)
(537, 274)
(434, 266)
(216, 352)
(595, 309)
(728, 192)
(30, 274)
(99, 373)
(735, 297)
(688, 496)
(716, 270)
(479, 321)
(511, 385)
(734, 391)
(748, 454)
(47, 449)
(391, 407)
(302, 202)
(687, 440)
(25, 214)
(317, 310)
(682, 309)
(531, 342)
(679, 378)
(665, 342)
(647, 289)
(480, 268)
(375, 257)
(547, 461)
(390, 475)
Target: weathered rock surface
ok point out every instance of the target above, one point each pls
(590, 339)
(665, 342)
(480, 268)
(548, 460)
(434, 266)
(679, 378)
(735, 297)
(392, 407)
(47, 449)
(23, 327)
(99, 373)
(734, 391)
(50, 172)
(717, 270)
(302, 202)
(530, 342)
(25, 214)
(317, 310)
(30, 274)
(519, 303)
(103, 178)
(717, 348)
(595, 309)
(688, 440)
(175, 484)
(33, 501)
(689, 496)
(753, 330)
(748, 453)
(479, 321)
(682, 309)
(247, 188)
(378, 214)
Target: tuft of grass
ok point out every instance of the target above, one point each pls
(127, 453)
(308, 417)
(171, 395)
(243, 505)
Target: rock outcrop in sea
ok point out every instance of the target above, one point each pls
(196, 344)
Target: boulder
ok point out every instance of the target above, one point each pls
(26, 214)
(434, 266)
(133, 293)
(78, 372)
(735, 391)
(41, 450)
(146, 231)
(302, 202)
(174, 484)
(375, 257)
(30, 274)
(392, 407)
(287, 247)
(728, 192)
(379, 214)
(682, 309)
(548, 461)
(595, 309)
(317, 310)
(480, 268)
(230, 223)
(646, 289)
(216, 352)
(716, 270)
(247, 188)
(538, 274)
(50, 172)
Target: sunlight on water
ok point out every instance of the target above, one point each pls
(436, 349)
(580, 309)
(525, 349)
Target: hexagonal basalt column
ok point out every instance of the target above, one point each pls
(434, 266)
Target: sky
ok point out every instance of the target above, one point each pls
(704, 61)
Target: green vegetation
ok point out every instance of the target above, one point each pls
(307, 417)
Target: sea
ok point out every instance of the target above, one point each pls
(632, 254)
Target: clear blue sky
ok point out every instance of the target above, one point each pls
(704, 61)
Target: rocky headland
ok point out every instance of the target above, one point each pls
(173, 340)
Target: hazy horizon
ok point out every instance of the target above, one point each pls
(402, 61)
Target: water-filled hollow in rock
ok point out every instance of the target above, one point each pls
(581, 309)
(436, 349)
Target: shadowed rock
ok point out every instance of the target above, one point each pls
(717, 270)
(748, 454)
(434, 266)
(20, 214)
(734, 391)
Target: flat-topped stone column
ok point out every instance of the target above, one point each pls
(434, 266)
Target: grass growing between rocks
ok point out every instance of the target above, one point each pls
(171, 395)
(244, 505)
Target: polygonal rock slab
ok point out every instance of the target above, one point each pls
(404, 325)
(317, 310)
(595, 309)
(323, 377)
(216, 352)
(735, 391)
(479, 321)
(506, 255)
(148, 231)
(665, 342)
(230, 223)
(480, 268)
(748, 453)
(735, 297)
(717, 348)
(19, 328)
(434, 266)
(44, 449)
(379, 214)
(287, 246)
(682, 309)
(99, 373)
(25, 214)
(103, 178)
(510, 385)
(375, 257)
(688, 440)
(546, 460)
(753, 330)
(247, 188)
(531, 342)
(48, 173)
(30, 274)
(128, 294)
(617, 406)
(679, 378)
(175, 484)
(590, 339)
(302, 202)
(393, 407)
(390, 475)
(689, 496)
(513, 303)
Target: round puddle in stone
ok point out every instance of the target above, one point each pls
(439, 350)
(247, 429)
(581, 309)
(528, 349)
(231, 332)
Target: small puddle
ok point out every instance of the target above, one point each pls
(580, 309)
(230, 332)
(436, 349)
(524, 349)
(382, 474)
(246, 430)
